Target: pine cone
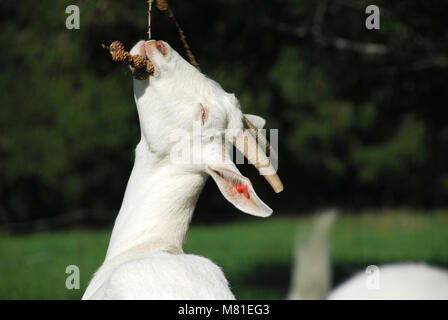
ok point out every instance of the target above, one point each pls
(162, 5)
(117, 51)
(138, 62)
(143, 67)
(149, 67)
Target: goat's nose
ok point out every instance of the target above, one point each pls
(151, 45)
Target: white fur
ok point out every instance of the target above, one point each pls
(400, 281)
(145, 258)
(165, 276)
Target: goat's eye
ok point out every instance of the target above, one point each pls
(203, 115)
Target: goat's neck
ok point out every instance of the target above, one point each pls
(157, 207)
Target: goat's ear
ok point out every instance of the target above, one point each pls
(238, 190)
(257, 121)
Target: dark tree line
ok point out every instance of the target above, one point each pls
(359, 112)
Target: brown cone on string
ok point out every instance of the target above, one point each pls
(162, 5)
(143, 68)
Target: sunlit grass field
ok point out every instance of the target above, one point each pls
(255, 254)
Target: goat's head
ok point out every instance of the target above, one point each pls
(189, 119)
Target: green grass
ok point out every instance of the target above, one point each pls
(255, 254)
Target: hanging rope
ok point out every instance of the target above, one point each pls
(162, 5)
(149, 18)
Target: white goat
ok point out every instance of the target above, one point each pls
(397, 281)
(404, 281)
(145, 259)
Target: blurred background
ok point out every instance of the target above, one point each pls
(359, 113)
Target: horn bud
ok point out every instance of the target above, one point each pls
(248, 146)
